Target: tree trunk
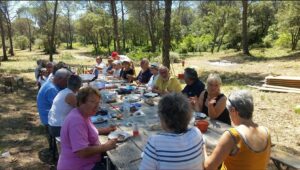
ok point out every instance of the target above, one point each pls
(295, 39)
(52, 45)
(3, 38)
(221, 41)
(70, 30)
(123, 26)
(29, 32)
(166, 34)
(11, 46)
(115, 22)
(245, 28)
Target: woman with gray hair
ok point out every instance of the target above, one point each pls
(211, 101)
(245, 146)
(63, 103)
(178, 147)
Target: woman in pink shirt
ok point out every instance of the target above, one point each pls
(80, 145)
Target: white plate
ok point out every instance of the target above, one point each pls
(200, 115)
(99, 119)
(150, 94)
(117, 134)
(138, 113)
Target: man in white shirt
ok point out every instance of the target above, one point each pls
(154, 70)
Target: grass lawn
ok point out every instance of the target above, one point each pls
(22, 135)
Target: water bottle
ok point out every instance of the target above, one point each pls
(135, 130)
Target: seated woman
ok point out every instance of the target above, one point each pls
(80, 145)
(127, 72)
(63, 103)
(247, 145)
(178, 147)
(154, 70)
(211, 101)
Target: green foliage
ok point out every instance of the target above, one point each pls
(138, 55)
(284, 40)
(21, 42)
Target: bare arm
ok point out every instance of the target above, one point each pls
(222, 150)
(93, 150)
(71, 100)
(215, 111)
(197, 102)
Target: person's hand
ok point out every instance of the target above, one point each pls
(111, 144)
(212, 101)
(194, 100)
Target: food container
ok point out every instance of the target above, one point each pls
(202, 125)
(108, 96)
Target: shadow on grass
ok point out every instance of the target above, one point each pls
(241, 58)
(236, 78)
(45, 156)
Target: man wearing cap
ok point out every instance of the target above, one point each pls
(47, 94)
(154, 70)
(165, 83)
(194, 86)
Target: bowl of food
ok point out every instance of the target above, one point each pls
(202, 125)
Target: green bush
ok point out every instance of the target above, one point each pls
(284, 40)
(21, 42)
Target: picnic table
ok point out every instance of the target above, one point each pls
(128, 154)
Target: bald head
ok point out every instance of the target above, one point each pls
(164, 72)
(61, 76)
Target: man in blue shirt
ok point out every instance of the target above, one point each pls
(194, 86)
(47, 94)
(145, 73)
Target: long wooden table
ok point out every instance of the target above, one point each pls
(128, 154)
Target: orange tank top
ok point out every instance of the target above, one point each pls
(246, 158)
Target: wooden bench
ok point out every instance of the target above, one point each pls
(283, 159)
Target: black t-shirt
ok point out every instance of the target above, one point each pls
(194, 89)
(124, 73)
(224, 116)
(145, 76)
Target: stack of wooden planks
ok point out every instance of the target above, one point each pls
(284, 84)
(285, 81)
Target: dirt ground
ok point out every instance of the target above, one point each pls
(22, 135)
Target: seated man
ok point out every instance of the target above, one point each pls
(154, 70)
(100, 64)
(194, 86)
(145, 73)
(165, 83)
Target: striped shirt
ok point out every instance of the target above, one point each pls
(174, 151)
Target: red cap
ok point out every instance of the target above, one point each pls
(114, 55)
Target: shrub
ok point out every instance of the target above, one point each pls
(284, 40)
(21, 42)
